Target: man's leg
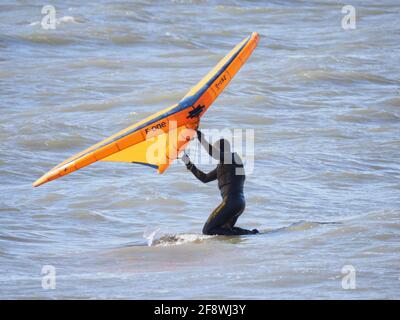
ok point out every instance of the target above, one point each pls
(222, 221)
(222, 232)
(241, 231)
(238, 230)
(218, 219)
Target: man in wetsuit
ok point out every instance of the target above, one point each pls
(230, 175)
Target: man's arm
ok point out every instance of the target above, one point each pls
(203, 177)
(213, 152)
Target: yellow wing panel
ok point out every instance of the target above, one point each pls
(143, 152)
(119, 133)
(158, 152)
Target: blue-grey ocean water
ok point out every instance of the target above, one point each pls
(324, 105)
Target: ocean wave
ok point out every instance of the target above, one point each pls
(95, 106)
(59, 142)
(345, 77)
(98, 63)
(382, 225)
(47, 38)
(180, 40)
(368, 115)
(126, 39)
(87, 215)
(392, 102)
(25, 237)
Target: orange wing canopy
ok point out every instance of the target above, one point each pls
(157, 140)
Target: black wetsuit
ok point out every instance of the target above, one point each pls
(231, 177)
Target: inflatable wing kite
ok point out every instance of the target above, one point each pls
(157, 140)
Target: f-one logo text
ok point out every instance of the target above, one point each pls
(158, 126)
(220, 81)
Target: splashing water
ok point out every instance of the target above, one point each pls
(149, 235)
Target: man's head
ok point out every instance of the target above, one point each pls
(224, 148)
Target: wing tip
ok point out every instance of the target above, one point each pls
(40, 181)
(255, 35)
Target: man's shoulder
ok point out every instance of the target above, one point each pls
(237, 159)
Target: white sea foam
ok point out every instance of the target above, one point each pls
(179, 239)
